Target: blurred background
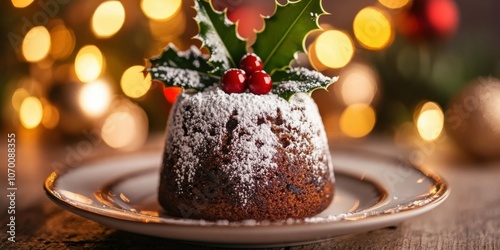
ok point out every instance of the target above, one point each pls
(420, 74)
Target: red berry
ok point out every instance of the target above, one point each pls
(260, 82)
(251, 63)
(234, 81)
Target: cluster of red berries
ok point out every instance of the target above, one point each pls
(250, 75)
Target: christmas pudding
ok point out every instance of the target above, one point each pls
(242, 156)
(242, 143)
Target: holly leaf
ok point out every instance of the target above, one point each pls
(288, 82)
(218, 34)
(285, 33)
(186, 69)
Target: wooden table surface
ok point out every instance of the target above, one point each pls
(468, 219)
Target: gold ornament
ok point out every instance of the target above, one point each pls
(473, 118)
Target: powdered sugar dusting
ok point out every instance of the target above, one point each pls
(309, 80)
(177, 77)
(299, 80)
(236, 124)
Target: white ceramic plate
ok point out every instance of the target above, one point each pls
(372, 191)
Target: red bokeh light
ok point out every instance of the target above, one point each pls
(171, 93)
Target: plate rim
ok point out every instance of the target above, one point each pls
(388, 218)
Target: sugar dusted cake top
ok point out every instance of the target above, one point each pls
(249, 128)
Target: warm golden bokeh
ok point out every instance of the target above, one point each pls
(394, 4)
(160, 9)
(108, 19)
(18, 97)
(94, 98)
(168, 30)
(430, 121)
(334, 49)
(133, 82)
(50, 117)
(31, 112)
(63, 42)
(36, 44)
(357, 120)
(21, 3)
(126, 128)
(372, 28)
(88, 63)
(357, 84)
(120, 129)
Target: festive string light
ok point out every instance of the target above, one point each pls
(394, 4)
(63, 42)
(50, 116)
(334, 48)
(160, 9)
(171, 93)
(133, 82)
(430, 121)
(88, 63)
(372, 28)
(313, 58)
(108, 19)
(31, 112)
(126, 128)
(21, 3)
(18, 97)
(357, 120)
(357, 83)
(169, 29)
(94, 98)
(36, 44)
(118, 129)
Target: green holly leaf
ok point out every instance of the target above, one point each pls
(285, 33)
(218, 34)
(288, 82)
(186, 69)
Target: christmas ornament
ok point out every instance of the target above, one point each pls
(473, 118)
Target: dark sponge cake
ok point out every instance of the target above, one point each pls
(245, 156)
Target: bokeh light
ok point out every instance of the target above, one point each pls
(357, 120)
(108, 19)
(31, 112)
(18, 97)
(21, 3)
(171, 93)
(430, 121)
(313, 58)
(394, 4)
(125, 128)
(133, 82)
(372, 28)
(50, 116)
(36, 44)
(443, 16)
(170, 29)
(357, 84)
(94, 98)
(63, 42)
(88, 63)
(160, 9)
(334, 48)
